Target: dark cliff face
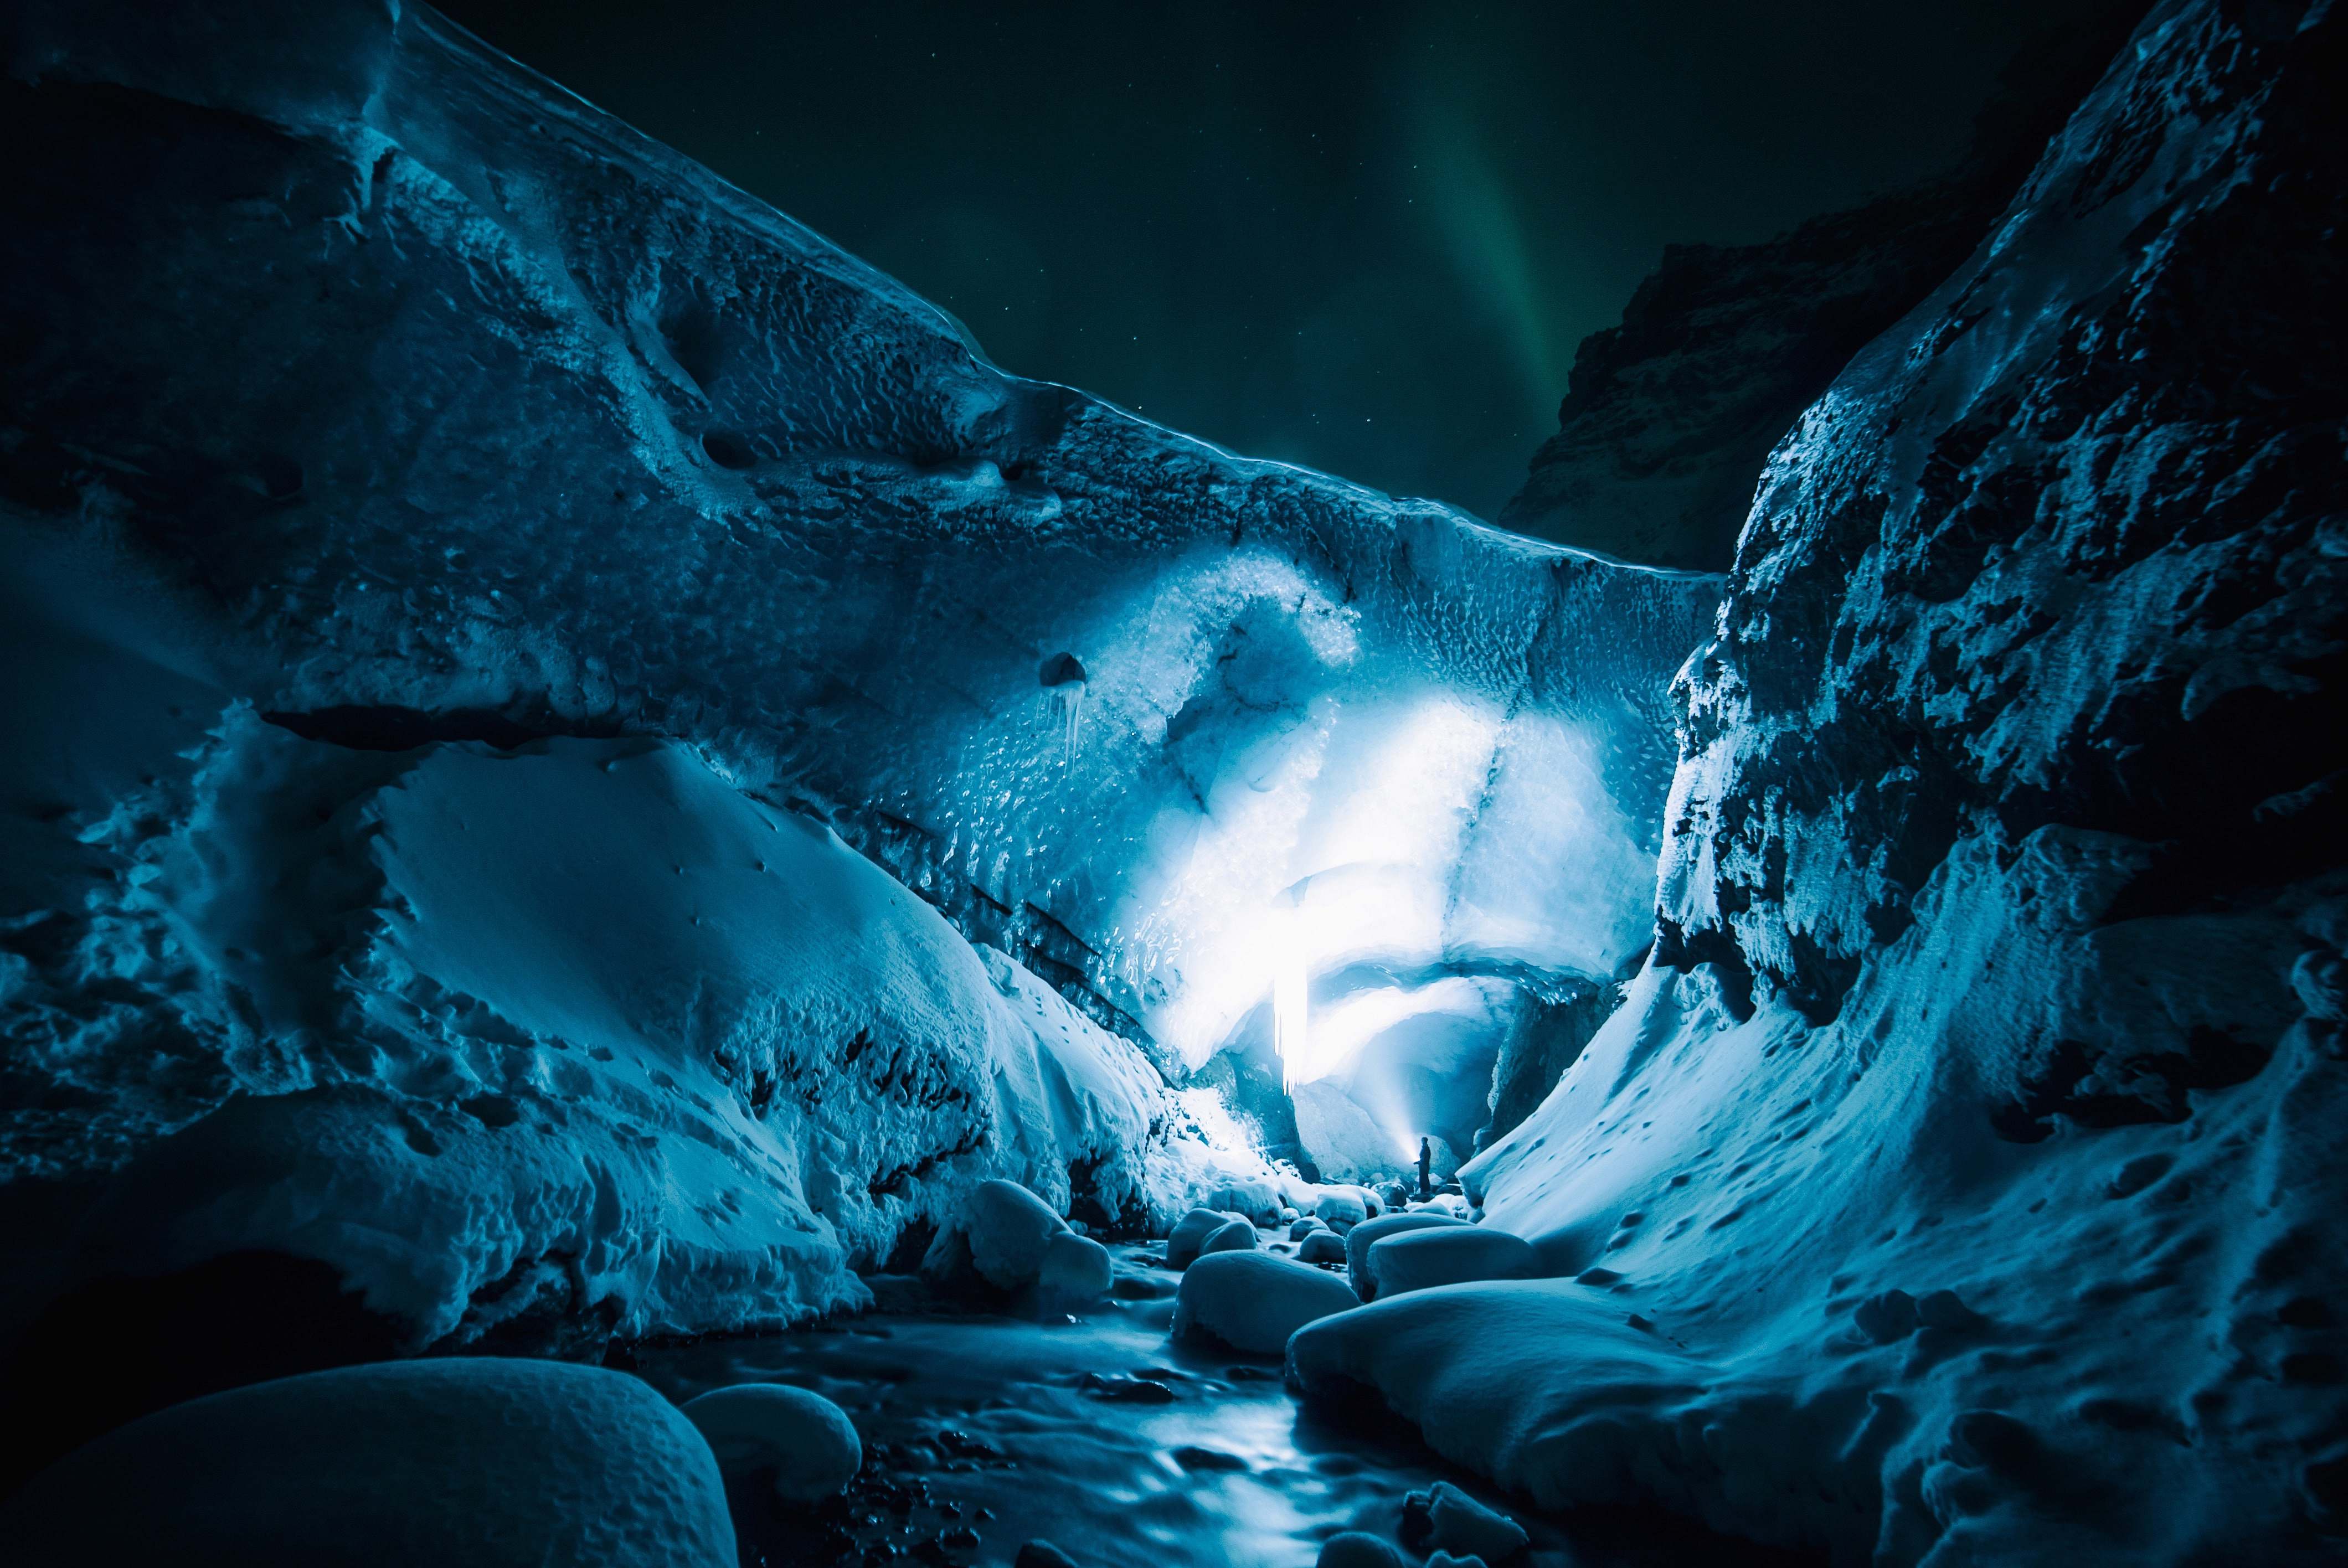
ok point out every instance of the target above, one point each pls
(1668, 417)
(2067, 556)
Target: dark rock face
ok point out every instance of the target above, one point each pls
(1669, 416)
(2068, 556)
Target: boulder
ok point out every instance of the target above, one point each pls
(1363, 1237)
(1189, 1232)
(1305, 1228)
(1008, 1228)
(1340, 1205)
(1359, 1549)
(1075, 1268)
(1323, 1246)
(466, 1462)
(1446, 1255)
(802, 1442)
(1252, 1301)
(1236, 1236)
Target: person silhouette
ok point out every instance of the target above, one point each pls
(1426, 1168)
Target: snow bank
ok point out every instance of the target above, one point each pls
(477, 1462)
(581, 1032)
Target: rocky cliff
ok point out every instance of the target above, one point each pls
(1668, 417)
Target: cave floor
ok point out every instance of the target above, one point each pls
(1105, 1436)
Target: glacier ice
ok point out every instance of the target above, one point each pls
(587, 764)
(509, 714)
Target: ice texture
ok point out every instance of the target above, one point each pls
(480, 583)
(544, 678)
(1955, 1184)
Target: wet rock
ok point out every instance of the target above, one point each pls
(1358, 1549)
(1447, 1519)
(1305, 1228)
(1192, 1458)
(1042, 1555)
(1129, 1390)
(804, 1441)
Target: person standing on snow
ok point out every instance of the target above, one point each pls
(1426, 1169)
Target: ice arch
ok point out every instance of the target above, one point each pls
(563, 439)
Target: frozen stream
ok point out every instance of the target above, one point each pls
(1014, 1430)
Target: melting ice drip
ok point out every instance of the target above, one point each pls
(1063, 680)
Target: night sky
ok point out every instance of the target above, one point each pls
(1364, 238)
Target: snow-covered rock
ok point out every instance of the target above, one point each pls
(470, 1462)
(1008, 1229)
(1448, 1254)
(1449, 1520)
(1363, 1237)
(1233, 1235)
(1253, 1301)
(1304, 1225)
(1076, 1269)
(799, 1443)
(2008, 805)
(1321, 1247)
(1340, 1206)
(581, 1032)
(1191, 1233)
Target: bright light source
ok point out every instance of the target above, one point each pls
(1289, 997)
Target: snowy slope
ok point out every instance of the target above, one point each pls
(1960, 1182)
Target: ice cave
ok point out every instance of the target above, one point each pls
(656, 915)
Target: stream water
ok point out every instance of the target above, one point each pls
(1103, 1436)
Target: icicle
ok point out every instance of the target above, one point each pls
(1063, 680)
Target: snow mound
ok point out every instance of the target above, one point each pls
(1253, 1301)
(799, 1442)
(1449, 1254)
(476, 1462)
